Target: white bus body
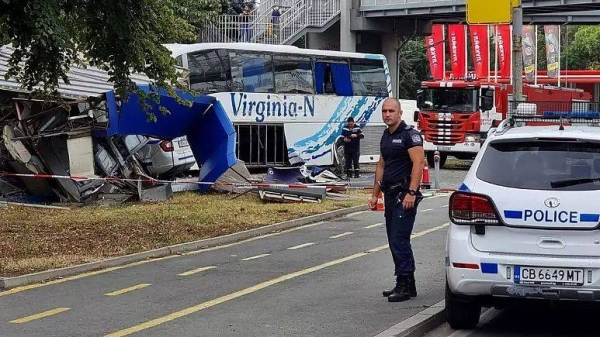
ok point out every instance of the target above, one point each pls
(286, 101)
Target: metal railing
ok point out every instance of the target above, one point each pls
(259, 28)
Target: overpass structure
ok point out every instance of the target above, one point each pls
(373, 26)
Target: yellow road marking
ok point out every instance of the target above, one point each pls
(302, 246)
(255, 257)
(80, 276)
(340, 235)
(374, 225)
(253, 289)
(196, 271)
(126, 290)
(40, 315)
(139, 263)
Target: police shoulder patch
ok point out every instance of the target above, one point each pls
(416, 138)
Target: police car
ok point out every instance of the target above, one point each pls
(524, 224)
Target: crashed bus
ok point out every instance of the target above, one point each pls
(289, 105)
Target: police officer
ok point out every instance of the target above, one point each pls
(352, 136)
(398, 176)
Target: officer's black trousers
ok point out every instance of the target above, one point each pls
(399, 225)
(351, 158)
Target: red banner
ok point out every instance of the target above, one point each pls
(480, 47)
(503, 41)
(435, 51)
(458, 51)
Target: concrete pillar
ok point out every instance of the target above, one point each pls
(347, 37)
(389, 45)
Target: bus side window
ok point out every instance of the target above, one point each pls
(252, 72)
(333, 78)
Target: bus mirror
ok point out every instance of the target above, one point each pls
(416, 116)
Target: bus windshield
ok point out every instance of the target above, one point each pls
(450, 99)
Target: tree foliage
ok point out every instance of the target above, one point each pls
(119, 36)
(413, 67)
(584, 50)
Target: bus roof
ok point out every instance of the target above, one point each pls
(180, 49)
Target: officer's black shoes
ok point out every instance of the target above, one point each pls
(401, 291)
(387, 293)
(356, 175)
(412, 287)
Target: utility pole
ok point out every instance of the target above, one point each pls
(517, 59)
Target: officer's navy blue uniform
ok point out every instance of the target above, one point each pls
(395, 184)
(352, 149)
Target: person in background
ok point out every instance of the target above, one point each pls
(245, 25)
(352, 135)
(398, 175)
(275, 15)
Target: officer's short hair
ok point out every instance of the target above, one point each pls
(350, 119)
(397, 101)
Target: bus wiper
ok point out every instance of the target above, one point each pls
(573, 182)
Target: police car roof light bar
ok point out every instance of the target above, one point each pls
(553, 113)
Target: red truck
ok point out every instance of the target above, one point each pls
(454, 116)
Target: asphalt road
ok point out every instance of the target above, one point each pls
(323, 279)
(534, 319)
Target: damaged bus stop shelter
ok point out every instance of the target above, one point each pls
(91, 145)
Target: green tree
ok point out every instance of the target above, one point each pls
(119, 36)
(413, 67)
(584, 50)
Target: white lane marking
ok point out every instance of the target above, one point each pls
(444, 206)
(374, 225)
(427, 210)
(302, 246)
(340, 235)
(255, 257)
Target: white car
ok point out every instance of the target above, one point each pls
(525, 222)
(162, 158)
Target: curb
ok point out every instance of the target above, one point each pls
(419, 324)
(12, 282)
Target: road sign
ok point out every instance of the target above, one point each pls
(489, 12)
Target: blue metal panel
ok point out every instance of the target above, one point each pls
(205, 124)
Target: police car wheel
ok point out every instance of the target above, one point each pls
(461, 314)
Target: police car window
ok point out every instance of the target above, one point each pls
(536, 164)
